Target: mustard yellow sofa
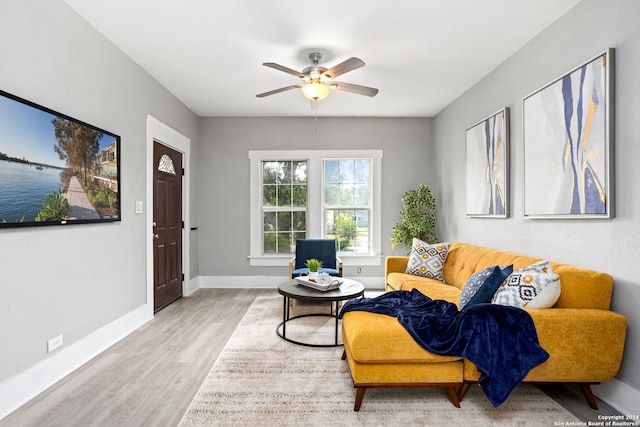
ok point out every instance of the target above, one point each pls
(583, 337)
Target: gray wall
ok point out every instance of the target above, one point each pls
(48, 278)
(607, 245)
(224, 175)
(73, 280)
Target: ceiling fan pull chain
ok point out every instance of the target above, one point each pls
(316, 122)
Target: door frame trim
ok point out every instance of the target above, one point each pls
(159, 132)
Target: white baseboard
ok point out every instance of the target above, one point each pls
(619, 395)
(18, 390)
(191, 286)
(271, 282)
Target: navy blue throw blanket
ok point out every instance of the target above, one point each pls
(501, 341)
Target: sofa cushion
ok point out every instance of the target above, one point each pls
(581, 288)
(374, 338)
(523, 286)
(464, 259)
(432, 287)
(482, 285)
(427, 260)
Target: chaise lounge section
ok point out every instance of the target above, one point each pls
(584, 338)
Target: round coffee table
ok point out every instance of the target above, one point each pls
(292, 289)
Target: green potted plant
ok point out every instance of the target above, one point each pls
(313, 265)
(417, 218)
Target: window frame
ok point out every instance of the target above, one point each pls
(315, 161)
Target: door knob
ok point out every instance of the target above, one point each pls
(155, 236)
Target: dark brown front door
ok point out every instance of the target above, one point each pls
(167, 225)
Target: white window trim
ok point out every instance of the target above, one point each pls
(314, 212)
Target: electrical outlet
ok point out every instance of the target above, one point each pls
(359, 270)
(54, 343)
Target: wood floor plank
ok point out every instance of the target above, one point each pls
(137, 382)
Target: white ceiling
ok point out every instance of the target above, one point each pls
(420, 54)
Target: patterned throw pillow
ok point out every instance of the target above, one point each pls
(427, 260)
(547, 297)
(535, 286)
(482, 285)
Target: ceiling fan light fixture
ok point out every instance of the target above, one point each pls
(316, 90)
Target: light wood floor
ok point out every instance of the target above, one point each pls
(139, 382)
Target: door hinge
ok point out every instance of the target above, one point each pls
(182, 224)
(182, 171)
(183, 277)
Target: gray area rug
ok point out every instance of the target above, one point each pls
(261, 380)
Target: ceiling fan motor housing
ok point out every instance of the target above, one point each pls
(314, 72)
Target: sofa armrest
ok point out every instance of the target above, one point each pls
(585, 345)
(395, 264)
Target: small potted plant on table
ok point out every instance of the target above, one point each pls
(313, 265)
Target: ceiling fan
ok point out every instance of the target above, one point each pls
(317, 81)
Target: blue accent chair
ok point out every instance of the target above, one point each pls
(321, 249)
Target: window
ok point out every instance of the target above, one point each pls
(284, 204)
(315, 193)
(346, 203)
(166, 165)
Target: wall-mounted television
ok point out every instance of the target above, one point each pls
(54, 169)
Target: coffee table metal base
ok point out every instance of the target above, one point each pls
(293, 290)
(281, 329)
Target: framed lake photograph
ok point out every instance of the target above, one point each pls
(568, 144)
(487, 168)
(54, 169)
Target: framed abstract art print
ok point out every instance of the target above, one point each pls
(568, 140)
(487, 169)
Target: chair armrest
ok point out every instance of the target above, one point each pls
(292, 262)
(339, 265)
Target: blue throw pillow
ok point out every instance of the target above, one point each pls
(482, 285)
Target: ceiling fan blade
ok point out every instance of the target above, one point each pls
(344, 67)
(283, 68)
(360, 90)
(282, 89)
